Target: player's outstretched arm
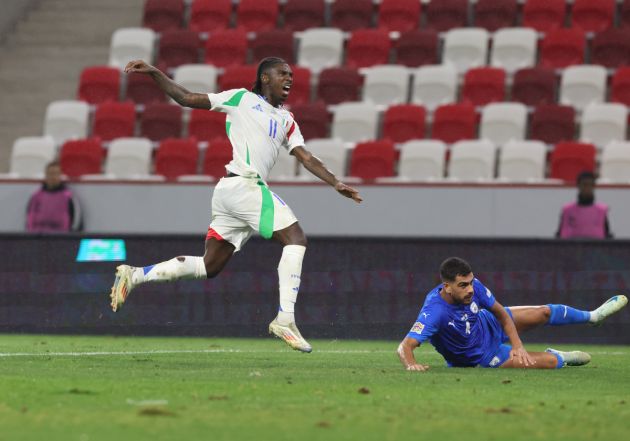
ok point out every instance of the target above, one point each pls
(518, 353)
(180, 94)
(317, 167)
(405, 353)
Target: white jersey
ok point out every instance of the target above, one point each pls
(257, 131)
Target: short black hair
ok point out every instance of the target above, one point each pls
(585, 175)
(263, 66)
(453, 267)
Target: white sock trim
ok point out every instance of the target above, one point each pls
(178, 268)
(289, 278)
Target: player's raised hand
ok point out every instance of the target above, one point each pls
(138, 66)
(520, 355)
(418, 367)
(348, 192)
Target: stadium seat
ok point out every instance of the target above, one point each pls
(561, 48)
(514, 49)
(495, 14)
(624, 14)
(373, 159)
(349, 15)
(301, 87)
(163, 15)
(81, 157)
(300, 15)
(368, 47)
(312, 118)
(355, 121)
(131, 44)
(417, 48)
(422, 160)
(611, 48)
(454, 122)
(273, 43)
(583, 85)
(544, 15)
(284, 169)
(620, 86)
(99, 84)
(615, 162)
(30, 155)
(66, 120)
(210, 15)
(257, 15)
(522, 161)
(236, 77)
(399, 15)
(339, 84)
(206, 126)
(200, 78)
(403, 122)
(593, 15)
(226, 47)
(604, 122)
(444, 15)
(331, 152)
(569, 159)
(552, 123)
(217, 155)
(178, 47)
(465, 48)
(433, 86)
(534, 86)
(320, 48)
(160, 121)
(141, 89)
(176, 157)
(483, 85)
(114, 120)
(129, 158)
(472, 161)
(503, 122)
(386, 85)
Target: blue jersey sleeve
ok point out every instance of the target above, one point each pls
(485, 296)
(427, 323)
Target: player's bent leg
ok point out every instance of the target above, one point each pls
(528, 317)
(543, 360)
(572, 358)
(217, 254)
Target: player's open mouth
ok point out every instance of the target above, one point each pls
(286, 88)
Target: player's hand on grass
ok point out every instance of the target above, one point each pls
(348, 191)
(521, 356)
(138, 66)
(417, 367)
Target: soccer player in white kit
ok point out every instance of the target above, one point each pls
(258, 128)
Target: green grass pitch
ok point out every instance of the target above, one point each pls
(133, 388)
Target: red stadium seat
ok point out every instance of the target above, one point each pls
(544, 15)
(178, 47)
(349, 15)
(81, 157)
(206, 126)
(313, 119)
(339, 84)
(368, 47)
(218, 154)
(226, 48)
(373, 159)
(176, 157)
(236, 77)
(301, 88)
(257, 15)
(443, 15)
(399, 15)
(569, 159)
(495, 14)
(163, 15)
(483, 85)
(454, 122)
(552, 123)
(624, 14)
(620, 87)
(300, 15)
(160, 121)
(593, 15)
(534, 86)
(417, 48)
(562, 48)
(404, 122)
(210, 15)
(99, 84)
(141, 89)
(611, 48)
(273, 43)
(114, 120)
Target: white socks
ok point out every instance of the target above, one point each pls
(289, 274)
(182, 267)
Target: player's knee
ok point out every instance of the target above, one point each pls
(300, 240)
(545, 310)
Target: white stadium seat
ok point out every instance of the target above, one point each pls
(422, 160)
(466, 48)
(320, 48)
(434, 85)
(129, 158)
(199, 78)
(130, 44)
(604, 122)
(583, 85)
(331, 152)
(615, 163)
(30, 155)
(514, 48)
(66, 120)
(502, 122)
(522, 161)
(472, 161)
(355, 121)
(386, 85)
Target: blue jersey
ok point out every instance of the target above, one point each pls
(463, 334)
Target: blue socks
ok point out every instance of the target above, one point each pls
(565, 315)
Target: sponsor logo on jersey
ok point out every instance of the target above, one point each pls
(474, 308)
(417, 328)
(258, 107)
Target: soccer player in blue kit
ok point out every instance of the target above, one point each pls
(469, 327)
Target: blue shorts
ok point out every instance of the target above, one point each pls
(500, 353)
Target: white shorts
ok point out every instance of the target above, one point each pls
(241, 206)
